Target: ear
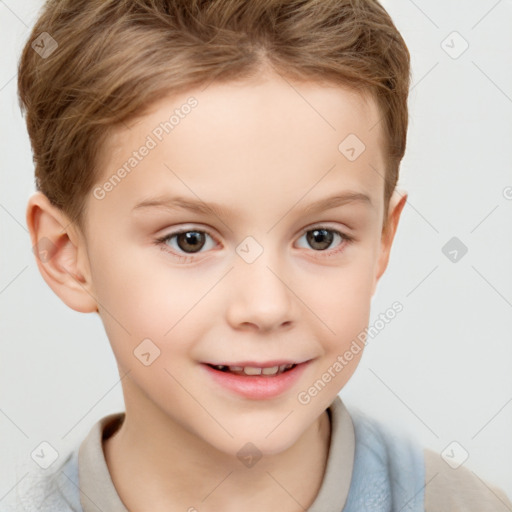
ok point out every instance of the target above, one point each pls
(396, 205)
(60, 253)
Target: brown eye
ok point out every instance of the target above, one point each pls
(185, 242)
(190, 241)
(320, 239)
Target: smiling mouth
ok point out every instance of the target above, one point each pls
(254, 371)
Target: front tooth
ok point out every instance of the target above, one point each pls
(250, 370)
(270, 371)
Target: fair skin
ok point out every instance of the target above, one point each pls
(263, 152)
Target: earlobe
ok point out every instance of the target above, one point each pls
(59, 253)
(396, 205)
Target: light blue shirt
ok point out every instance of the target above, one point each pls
(369, 469)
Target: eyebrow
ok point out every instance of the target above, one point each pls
(220, 211)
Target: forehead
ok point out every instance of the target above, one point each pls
(249, 141)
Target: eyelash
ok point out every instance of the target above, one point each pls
(185, 259)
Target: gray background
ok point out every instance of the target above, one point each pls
(440, 370)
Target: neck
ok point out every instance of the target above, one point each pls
(165, 467)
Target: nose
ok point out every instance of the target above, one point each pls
(261, 296)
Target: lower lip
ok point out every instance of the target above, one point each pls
(257, 387)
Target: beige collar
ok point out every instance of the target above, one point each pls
(98, 491)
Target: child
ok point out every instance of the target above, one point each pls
(252, 130)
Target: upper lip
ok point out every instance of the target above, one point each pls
(255, 364)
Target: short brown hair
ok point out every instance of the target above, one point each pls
(115, 57)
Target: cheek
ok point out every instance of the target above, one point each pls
(128, 292)
(146, 307)
(345, 292)
(343, 305)
(127, 282)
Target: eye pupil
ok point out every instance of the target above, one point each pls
(190, 240)
(320, 236)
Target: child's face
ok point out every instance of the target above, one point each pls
(254, 286)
